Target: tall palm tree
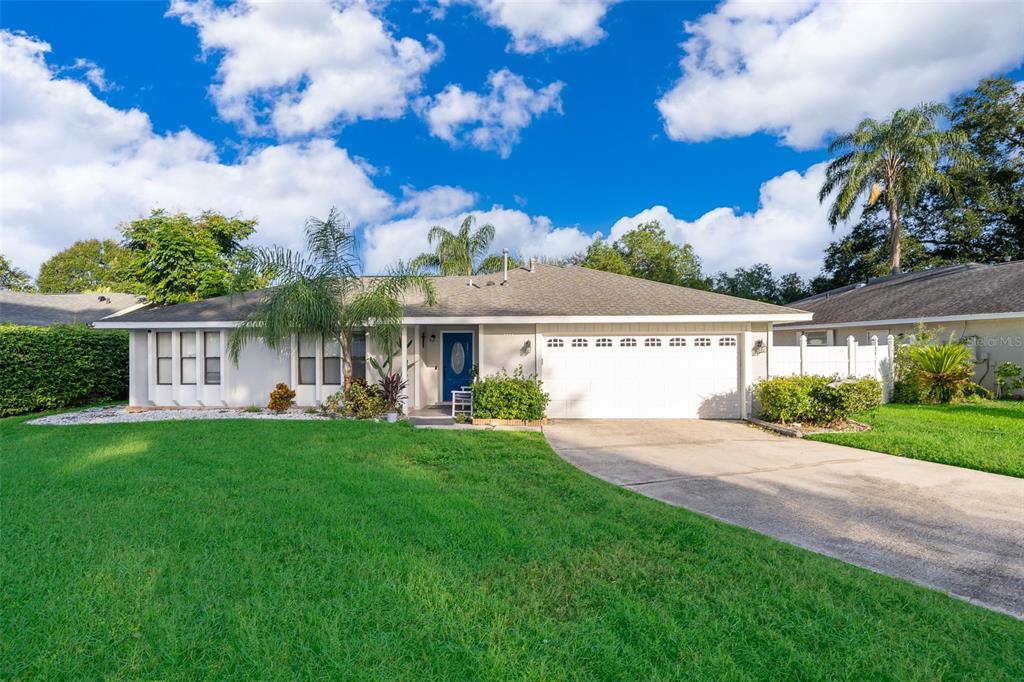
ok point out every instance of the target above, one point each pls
(892, 161)
(461, 253)
(320, 292)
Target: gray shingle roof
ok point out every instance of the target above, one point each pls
(548, 291)
(971, 289)
(40, 310)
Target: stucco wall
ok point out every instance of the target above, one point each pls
(998, 340)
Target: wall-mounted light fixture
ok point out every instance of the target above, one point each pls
(759, 347)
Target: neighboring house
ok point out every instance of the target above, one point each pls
(605, 345)
(40, 310)
(984, 303)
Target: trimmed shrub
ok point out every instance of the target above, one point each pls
(1008, 379)
(281, 398)
(509, 397)
(816, 399)
(43, 368)
(364, 401)
(787, 399)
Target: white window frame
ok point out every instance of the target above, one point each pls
(169, 335)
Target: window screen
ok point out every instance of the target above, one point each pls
(332, 362)
(188, 357)
(307, 359)
(211, 353)
(163, 358)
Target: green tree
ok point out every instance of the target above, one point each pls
(463, 252)
(986, 215)
(893, 161)
(87, 265)
(177, 258)
(601, 255)
(646, 252)
(319, 292)
(12, 277)
(758, 283)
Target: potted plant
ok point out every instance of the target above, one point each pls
(392, 388)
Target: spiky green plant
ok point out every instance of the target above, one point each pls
(892, 161)
(461, 253)
(945, 370)
(320, 292)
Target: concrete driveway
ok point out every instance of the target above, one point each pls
(953, 529)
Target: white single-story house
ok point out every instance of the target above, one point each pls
(982, 303)
(605, 345)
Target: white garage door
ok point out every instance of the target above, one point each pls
(653, 377)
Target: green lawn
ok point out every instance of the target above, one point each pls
(247, 549)
(987, 436)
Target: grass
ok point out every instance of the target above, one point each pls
(988, 436)
(242, 549)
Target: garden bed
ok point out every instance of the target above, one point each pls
(511, 422)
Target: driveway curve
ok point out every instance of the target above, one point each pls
(952, 529)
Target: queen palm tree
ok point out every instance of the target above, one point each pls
(892, 161)
(320, 292)
(461, 253)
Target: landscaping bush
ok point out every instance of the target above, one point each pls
(364, 402)
(945, 370)
(1008, 379)
(975, 392)
(281, 398)
(787, 399)
(815, 399)
(836, 401)
(509, 397)
(59, 366)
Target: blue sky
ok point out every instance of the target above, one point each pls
(593, 126)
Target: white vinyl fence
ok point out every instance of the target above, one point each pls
(852, 360)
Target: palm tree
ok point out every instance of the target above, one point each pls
(892, 160)
(320, 293)
(461, 253)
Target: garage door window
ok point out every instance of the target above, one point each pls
(652, 343)
(677, 342)
(727, 341)
(628, 343)
(579, 343)
(603, 343)
(555, 343)
(702, 341)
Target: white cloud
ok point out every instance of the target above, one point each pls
(72, 167)
(522, 234)
(789, 230)
(491, 121)
(803, 69)
(303, 67)
(542, 24)
(93, 73)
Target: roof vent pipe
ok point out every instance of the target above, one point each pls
(504, 264)
(533, 264)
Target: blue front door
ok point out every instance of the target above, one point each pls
(457, 362)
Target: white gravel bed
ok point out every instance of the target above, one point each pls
(120, 415)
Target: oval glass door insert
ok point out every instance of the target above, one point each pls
(458, 359)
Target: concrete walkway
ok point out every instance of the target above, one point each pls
(952, 529)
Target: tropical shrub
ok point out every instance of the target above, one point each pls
(43, 368)
(504, 396)
(281, 398)
(815, 399)
(976, 393)
(333, 404)
(907, 386)
(945, 370)
(392, 390)
(364, 401)
(1008, 379)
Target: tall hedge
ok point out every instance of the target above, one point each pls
(47, 367)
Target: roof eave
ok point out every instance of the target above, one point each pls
(113, 323)
(904, 320)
